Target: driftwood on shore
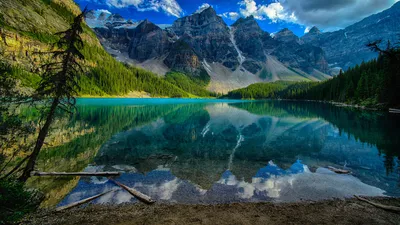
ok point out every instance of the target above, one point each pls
(385, 207)
(394, 110)
(81, 202)
(339, 171)
(140, 196)
(81, 174)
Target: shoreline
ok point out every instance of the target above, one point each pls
(341, 104)
(146, 96)
(336, 211)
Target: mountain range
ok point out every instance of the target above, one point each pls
(235, 56)
(30, 27)
(208, 53)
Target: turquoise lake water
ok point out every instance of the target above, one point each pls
(216, 151)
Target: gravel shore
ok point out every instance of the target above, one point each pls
(349, 211)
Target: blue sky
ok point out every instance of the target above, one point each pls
(272, 15)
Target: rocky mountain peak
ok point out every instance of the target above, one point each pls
(206, 15)
(103, 16)
(396, 5)
(115, 18)
(198, 21)
(314, 30)
(146, 26)
(285, 32)
(248, 21)
(91, 14)
(286, 35)
(210, 11)
(209, 36)
(100, 15)
(147, 41)
(312, 35)
(207, 22)
(202, 42)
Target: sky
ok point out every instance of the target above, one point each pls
(272, 15)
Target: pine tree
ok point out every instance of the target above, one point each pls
(59, 83)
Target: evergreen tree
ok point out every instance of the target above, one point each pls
(391, 81)
(59, 83)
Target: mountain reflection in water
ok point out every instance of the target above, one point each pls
(271, 183)
(222, 152)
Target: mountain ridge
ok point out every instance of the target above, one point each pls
(29, 27)
(347, 48)
(232, 58)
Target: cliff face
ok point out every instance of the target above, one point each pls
(148, 41)
(347, 47)
(209, 37)
(243, 53)
(240, 55)
(183, 58)
(287, 35)
(249, 38)
(312, 35)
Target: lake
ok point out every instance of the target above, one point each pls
(216, 151)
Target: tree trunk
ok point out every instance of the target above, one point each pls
(39, 142)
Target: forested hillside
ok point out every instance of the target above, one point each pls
(370, 84)
(374, 83)
(260, 90)
(27, 31)
(194, 85)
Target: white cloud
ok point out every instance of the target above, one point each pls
(170, 7)
(323, 184)
(230, 15)
(326, 14)
(203, 7)
(250, 8)
(332, 15)
(124, 3)
(273, 11)
(104, 11)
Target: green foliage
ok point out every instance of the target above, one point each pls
(359, 85)
(265, 74)
(27, 79)
(104, 75)
(259, 90)
(42, 37)
(60, 10)
(16, 201)
(114, 78)
(60, 76)
(2, 23)
(374, 83)
(203, 79)
(108, 76)
(189, 84)
(296, 89)
(12, 128)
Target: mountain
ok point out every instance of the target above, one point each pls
(312, 35)
(202, 44)
(347, 47)
(30, 26)
(287, 35)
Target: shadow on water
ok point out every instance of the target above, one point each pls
(216, 152)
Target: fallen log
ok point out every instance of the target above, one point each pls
(394, 110)
(339, 171)
(81, 174)
(385, 207)
(81, 202)
(140, 196)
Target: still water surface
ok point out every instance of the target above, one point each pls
(205, 151)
